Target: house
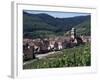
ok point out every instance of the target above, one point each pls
(28, 51)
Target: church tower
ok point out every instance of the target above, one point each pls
(73, 33)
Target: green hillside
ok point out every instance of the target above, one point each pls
(43, 25)
(84, 28)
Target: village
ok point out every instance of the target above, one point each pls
(32, 47)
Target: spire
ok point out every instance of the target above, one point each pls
(73, 33)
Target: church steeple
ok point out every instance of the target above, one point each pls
(73, 33)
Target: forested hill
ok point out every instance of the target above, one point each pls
(44, 25)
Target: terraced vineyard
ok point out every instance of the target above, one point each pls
(71, 57)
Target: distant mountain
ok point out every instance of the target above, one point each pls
(44, 25)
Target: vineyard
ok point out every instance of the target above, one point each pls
(71, 57)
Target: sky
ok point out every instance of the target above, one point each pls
(58, 14)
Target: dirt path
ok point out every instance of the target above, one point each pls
(40, 56)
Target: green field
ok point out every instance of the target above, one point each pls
(71, 57)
